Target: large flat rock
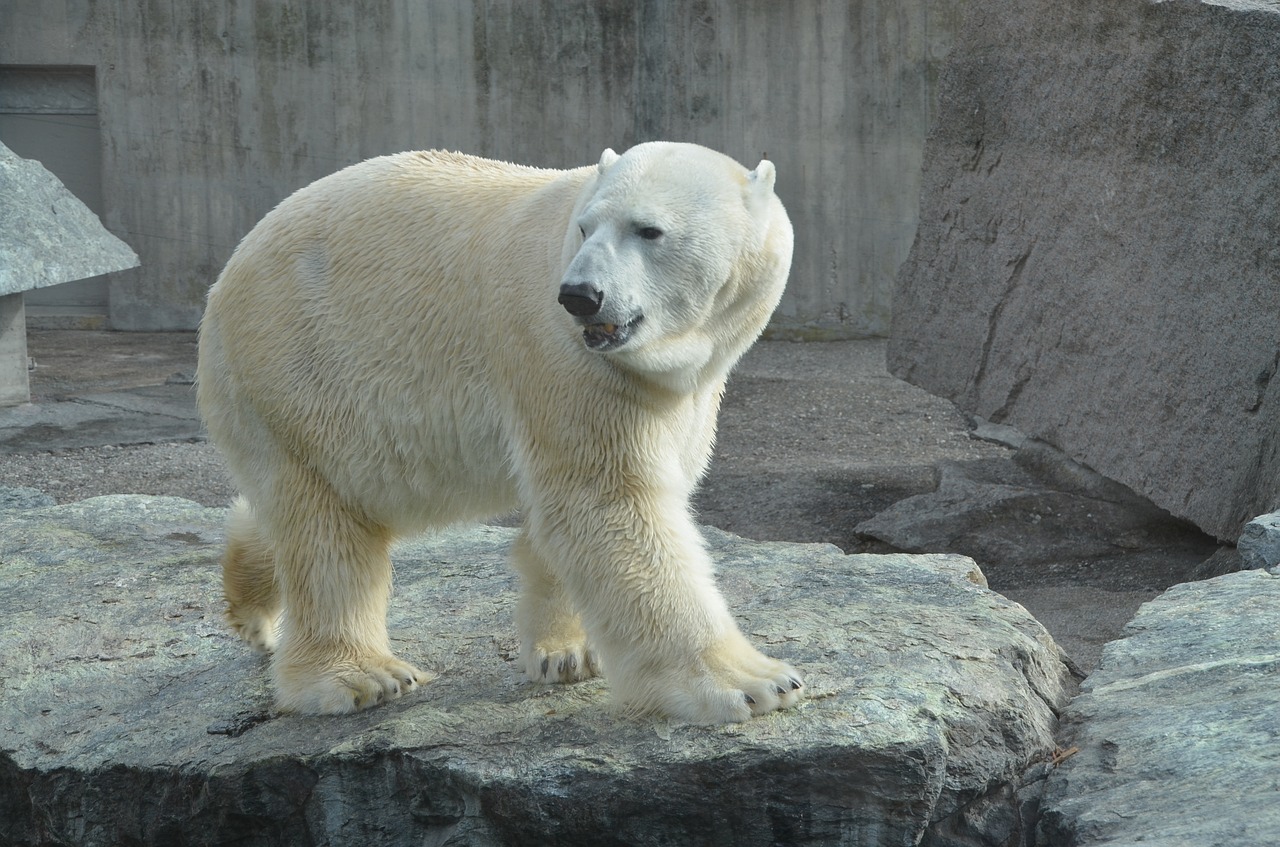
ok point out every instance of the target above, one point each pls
(129, 714)
(1097, 255)
(1179, 728)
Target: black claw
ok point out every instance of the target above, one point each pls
(795, 683)
(750, 700)
(546, 663)
(778, 689)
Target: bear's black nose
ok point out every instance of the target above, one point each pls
(580, 299)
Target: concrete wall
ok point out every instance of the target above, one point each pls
(214, 110)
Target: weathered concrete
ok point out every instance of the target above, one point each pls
(130, 715)
(1179, 729)
(1098, 252)
(15, 387)
(212, 112)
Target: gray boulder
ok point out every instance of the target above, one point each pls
(1177, 730)
(131, 715)
(1097, 257)
(1259, 543)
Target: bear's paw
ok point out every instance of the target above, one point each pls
(731, 682)
(565, 663)
(349, 685)
(255, 629)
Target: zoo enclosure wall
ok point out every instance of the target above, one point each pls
(210, 113)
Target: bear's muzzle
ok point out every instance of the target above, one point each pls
(580, 299)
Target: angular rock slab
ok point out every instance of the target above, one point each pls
(976, 500)
(1097, 254)
(47, 236)
(1179, 728)
(131, 715)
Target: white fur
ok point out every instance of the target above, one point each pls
(384, 354)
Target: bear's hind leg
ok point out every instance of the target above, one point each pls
(553, 645)
(334, 573)
(249, 579)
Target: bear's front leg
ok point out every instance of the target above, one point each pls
(553, 645)
(334, 575)
(642, 580)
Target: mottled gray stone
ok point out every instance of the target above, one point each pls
(1259, 543)
(1099, 243)
(23, 498)
(47, 236)
(129, 714)
(1179, 728)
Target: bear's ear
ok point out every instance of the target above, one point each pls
(763, 176)
(607, 158)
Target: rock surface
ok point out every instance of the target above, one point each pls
(1179, 729)
(142, 415)
(129, 714)
(47, 236)
(1259, 542)
(1079, 550)
(975, 502)
(1098, 247)
(23, 498)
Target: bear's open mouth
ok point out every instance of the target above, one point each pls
(603, 337)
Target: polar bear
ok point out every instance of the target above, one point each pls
(429, 337)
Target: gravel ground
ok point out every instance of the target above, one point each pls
(194, 471)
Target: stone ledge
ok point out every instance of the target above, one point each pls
(130, 713)
(1177, 728)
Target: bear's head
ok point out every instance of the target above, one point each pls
(676, 258)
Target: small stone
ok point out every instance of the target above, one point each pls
(1259, 543)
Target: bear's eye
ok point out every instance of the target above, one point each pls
(649, 233)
